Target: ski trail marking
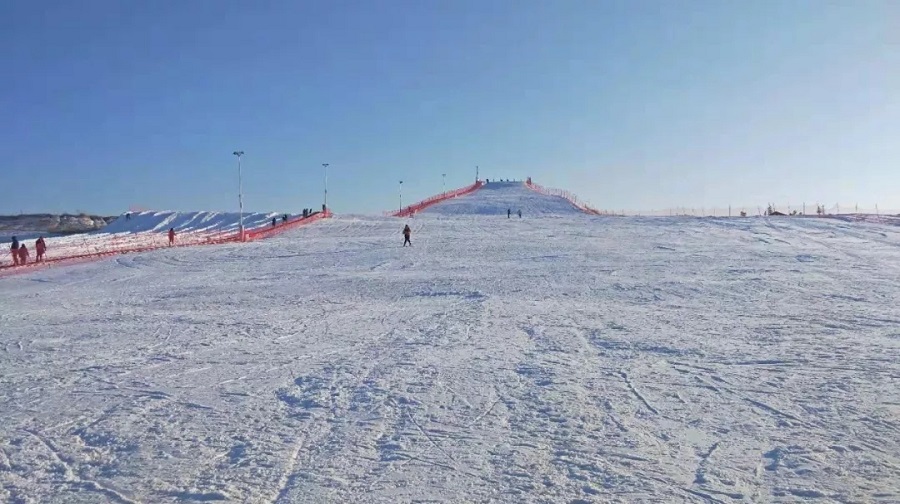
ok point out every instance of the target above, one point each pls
(484, 413)
(424, 433)
(770, 409)
(700, 472)
(70, 475)
(637, 394)
(706, 496)
(4, 460)
(623, 456)
(285, 479)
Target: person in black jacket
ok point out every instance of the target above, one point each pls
(40, 248)
(23, 254)
(14, 248)
(406, 233)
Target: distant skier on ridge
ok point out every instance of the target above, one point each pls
(14, 249)
(40, 248)
(23, 255)
(406, 233)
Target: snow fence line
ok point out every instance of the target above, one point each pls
(145, 242)
(567, 195)
(434, 200)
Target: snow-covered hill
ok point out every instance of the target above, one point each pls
(537, 360)
(495, 198)
(160, 222)
(144, 229)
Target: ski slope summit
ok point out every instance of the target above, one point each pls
(495, 198)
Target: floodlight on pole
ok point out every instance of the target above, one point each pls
(444, 183)
(325, 202)
(401, 198)
(240, 194)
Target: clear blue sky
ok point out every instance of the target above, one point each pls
(631, 104)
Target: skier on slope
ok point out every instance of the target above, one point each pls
(23, 255)
(508, 213)
(406, 233)
(171, 236)
(14, 249)
(40, 247)
(520, 213)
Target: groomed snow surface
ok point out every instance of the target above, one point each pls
(184, 222)
(549, 359)
(495, 198)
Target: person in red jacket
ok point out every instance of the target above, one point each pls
(23, 255)
(171, 236)
(40, 247)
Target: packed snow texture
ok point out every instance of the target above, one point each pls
(573, 360)
(495, 198)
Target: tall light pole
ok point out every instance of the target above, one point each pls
(401, 198)
(325, 203)
(240, 194)
(444, 183)
(476, 173)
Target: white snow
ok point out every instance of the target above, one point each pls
(143, 230)
(495, 198)
(577, 359)
(160, 222)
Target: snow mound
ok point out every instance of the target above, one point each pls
(495, 198)
(158, 222)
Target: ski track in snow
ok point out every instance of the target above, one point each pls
(568, 359)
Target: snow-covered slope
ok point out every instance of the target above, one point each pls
(160, 222)
(536, 360)
(143, 230)
(495, 198)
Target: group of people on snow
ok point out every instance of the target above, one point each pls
(509, 213)
(284, 219)
(19, 251)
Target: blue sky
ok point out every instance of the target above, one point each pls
(630, 104)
